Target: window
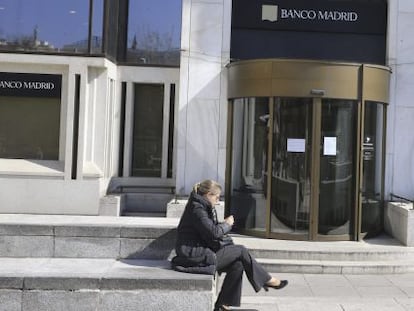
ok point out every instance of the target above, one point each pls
(29, 128)
(154, 32)
(153, 128)
(147, 134)
(96, 27)
(51, 26)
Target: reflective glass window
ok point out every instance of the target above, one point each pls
(29, 128)
(148, 130)
(291, 165)
(337, 166)
(372, 176)
(250, 157)
(49, 25)
(97, 26)
(154, 32)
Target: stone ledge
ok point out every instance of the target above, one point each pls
(86, 237)
(97, 274)
(101, 285)
(399, 222)
(104, 300)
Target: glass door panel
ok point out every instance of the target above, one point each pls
(337, 167)
(249, 157)
(291, 165)
(372, 159)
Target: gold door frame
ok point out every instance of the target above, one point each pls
(311, 79)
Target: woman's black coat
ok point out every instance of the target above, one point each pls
(198, 237)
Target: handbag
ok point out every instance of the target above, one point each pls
(225, 241)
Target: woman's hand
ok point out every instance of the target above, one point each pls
(229, 220)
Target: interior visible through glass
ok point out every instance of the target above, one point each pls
(372, 151)
(288, 123)
(337, 167)
(249, 174)
(291, 165)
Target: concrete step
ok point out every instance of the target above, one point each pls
(87, 236)
(380, 248)
(143, 214)
(154, 238)
(380, 255)
(146, 202)
(337, 267)
(101, 285)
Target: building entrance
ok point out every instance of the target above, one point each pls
(306, 156)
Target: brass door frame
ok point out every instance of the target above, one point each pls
(315, 168)
(308, 79)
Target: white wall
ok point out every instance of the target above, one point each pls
(202, 118)
(400, 138)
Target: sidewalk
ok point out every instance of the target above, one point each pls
(328, 292)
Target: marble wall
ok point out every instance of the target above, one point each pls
(202, 115)
(400, 140)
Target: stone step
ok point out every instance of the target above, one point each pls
(378, 255)
(61, 284)
(87, 236)
(337, 267)
(146, 202)
(380, 248)
(154, 238)
(143, 214)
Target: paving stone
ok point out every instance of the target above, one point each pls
(381, 291)
(10, 300)
(377, 306)
(409, 291)
(358, 280)
(406, 303)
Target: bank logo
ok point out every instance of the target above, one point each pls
(269, 12)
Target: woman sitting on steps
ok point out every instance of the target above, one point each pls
(203, 246)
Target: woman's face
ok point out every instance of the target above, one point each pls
(213, 198)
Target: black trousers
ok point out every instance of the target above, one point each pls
(233, 260)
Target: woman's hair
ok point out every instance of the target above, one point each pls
(207, 186)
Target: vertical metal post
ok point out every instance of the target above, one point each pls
(315, 169)
(269, 165)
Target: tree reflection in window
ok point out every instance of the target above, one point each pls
(154, 32)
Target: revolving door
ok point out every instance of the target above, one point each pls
(306, 145)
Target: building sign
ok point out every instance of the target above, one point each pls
(358, 17)
(30, 85)
(323, 15)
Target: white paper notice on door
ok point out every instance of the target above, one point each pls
(329, 146)
(295, 145)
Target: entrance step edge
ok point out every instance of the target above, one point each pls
(337, 267)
